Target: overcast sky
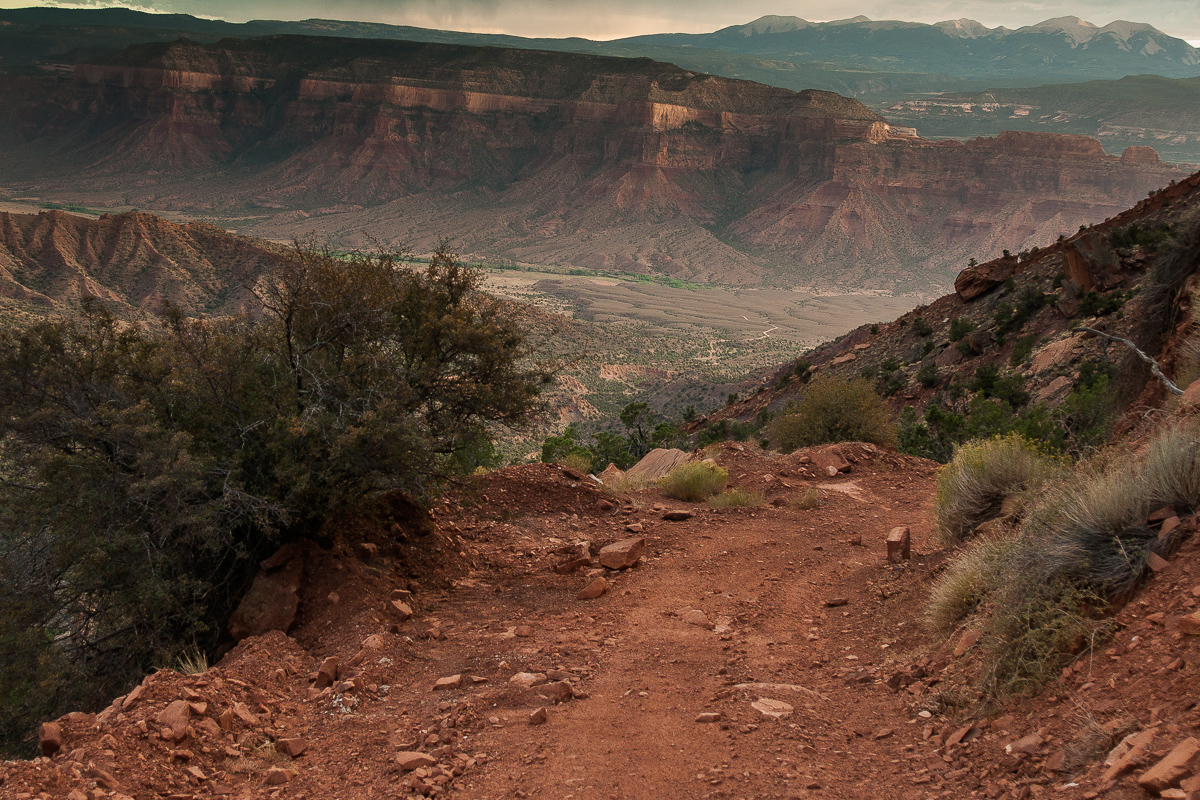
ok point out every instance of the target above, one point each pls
(616, 18)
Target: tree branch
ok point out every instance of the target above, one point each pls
(1158, 373)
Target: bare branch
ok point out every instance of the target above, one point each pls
(1157, 370)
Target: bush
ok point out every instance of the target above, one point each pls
(960, 327)
(146, 469)
(833, 410)
(1022, 350)
(928, 375)
(737, 497)
(694, 481)
(921, 327)
(972, 488)
(807, 501)
(968, 581)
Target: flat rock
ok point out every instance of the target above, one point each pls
(623, 554)
(1190, 623)
(537, 717)
(678, 514)
(408, 760)
(709, 716)
(1029, 745)
(772, 709)
(1178, 764)
(448, 682)
(399, 609)
(175, 719)
(372, 642)
(657, 463)
(694, 616)
(291, 747)
(836, 602)
(597, 587)
(527, 680)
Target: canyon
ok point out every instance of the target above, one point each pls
(559, 159)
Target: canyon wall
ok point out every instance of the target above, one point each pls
(553, 158)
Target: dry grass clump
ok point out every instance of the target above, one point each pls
(969, 581)
(694, 481)
(737, 497)
(807, 501)
(972, 488)
(623, 484)
(578, 461)
(1084, 542)
(834, 410)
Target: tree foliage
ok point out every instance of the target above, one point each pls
(146, 468)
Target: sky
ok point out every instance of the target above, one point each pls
(617, 18)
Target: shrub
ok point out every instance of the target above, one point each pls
(834, 410)
(737, 497)
(972, 488)
(960, 327)
(928, 375)
(921, 327)
(968, 581)
(1094, 304)
(1022, 349)
(694, 481)
(580, 462)
(146, 469)
(807, 501)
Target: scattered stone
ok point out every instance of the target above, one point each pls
(538, 717)
(449, 682)
(291, 747)
(327, 673)
(277, 776)
(408, 760)
(132, 698)
(527, 680)
(709, 716)
(836, 602)
(1161, 515)
(524, 631)
(572, 564)
(557, 692)
(50, 739)
(623, 554)
(965, 642)
(573, 474)
(693, 616)
(593, 590)
(246, 715)
(399, 609)
(373, 642)
(678, 515)
(174, 718)
(1190, 624)
(899, 545)
(831, 460)
(772, 709)
(1156, 562)
(1028, 745)
(1173, 768)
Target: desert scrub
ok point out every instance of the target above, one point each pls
(972, 488)
(737, 497)
(834, 410)
(693, 482)
(969, 581)
(807, 501)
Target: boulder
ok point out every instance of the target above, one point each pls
(1178, 764)
(593, 590)
(623, 554)
(50, 739)
(657, 463)
(274, 596)
(981, 278)
(174, 719)
(408, 760)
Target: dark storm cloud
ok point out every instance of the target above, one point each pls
(615, 18)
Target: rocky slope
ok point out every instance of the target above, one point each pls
(550, 158)
(133, 262)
